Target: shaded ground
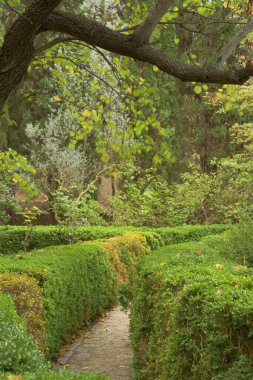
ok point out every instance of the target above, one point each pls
(103, 349)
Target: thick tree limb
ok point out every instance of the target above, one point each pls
(145, 30)
(17, 50)
(94, 33)
(229, 49)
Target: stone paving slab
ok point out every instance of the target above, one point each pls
(105, 348)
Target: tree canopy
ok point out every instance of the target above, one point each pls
(40, 24)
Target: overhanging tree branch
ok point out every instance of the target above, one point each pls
(96, 34)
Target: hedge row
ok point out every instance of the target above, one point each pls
(188, 233)
(78, 283)
(192, 316)
(14, 239)
(124, 253)
(57, 289)
(19, 353)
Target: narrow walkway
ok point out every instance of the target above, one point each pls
(103, 349)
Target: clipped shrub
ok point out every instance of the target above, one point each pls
(78, 283)
(18, 351)
(153, 238)
(192, 315)
(27, 296)
(124, 252)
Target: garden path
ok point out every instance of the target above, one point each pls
(105, 348)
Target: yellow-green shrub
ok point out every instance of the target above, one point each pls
(124, 252)
(27, 296)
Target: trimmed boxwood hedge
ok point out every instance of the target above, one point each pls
(12, 237)
(124, 252)
(78, 284)
(18, 351)
(78, 281)
(192, 316)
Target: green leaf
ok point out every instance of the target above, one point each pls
(198, 89)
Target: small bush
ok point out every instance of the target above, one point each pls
(8, 202)
(70, 212)
(27, 296)
(18, 351)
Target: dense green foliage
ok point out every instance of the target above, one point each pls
(223, 195)
(18, 351)
(78, 284)
(192, 315)
(7, 203)
(72, 212)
